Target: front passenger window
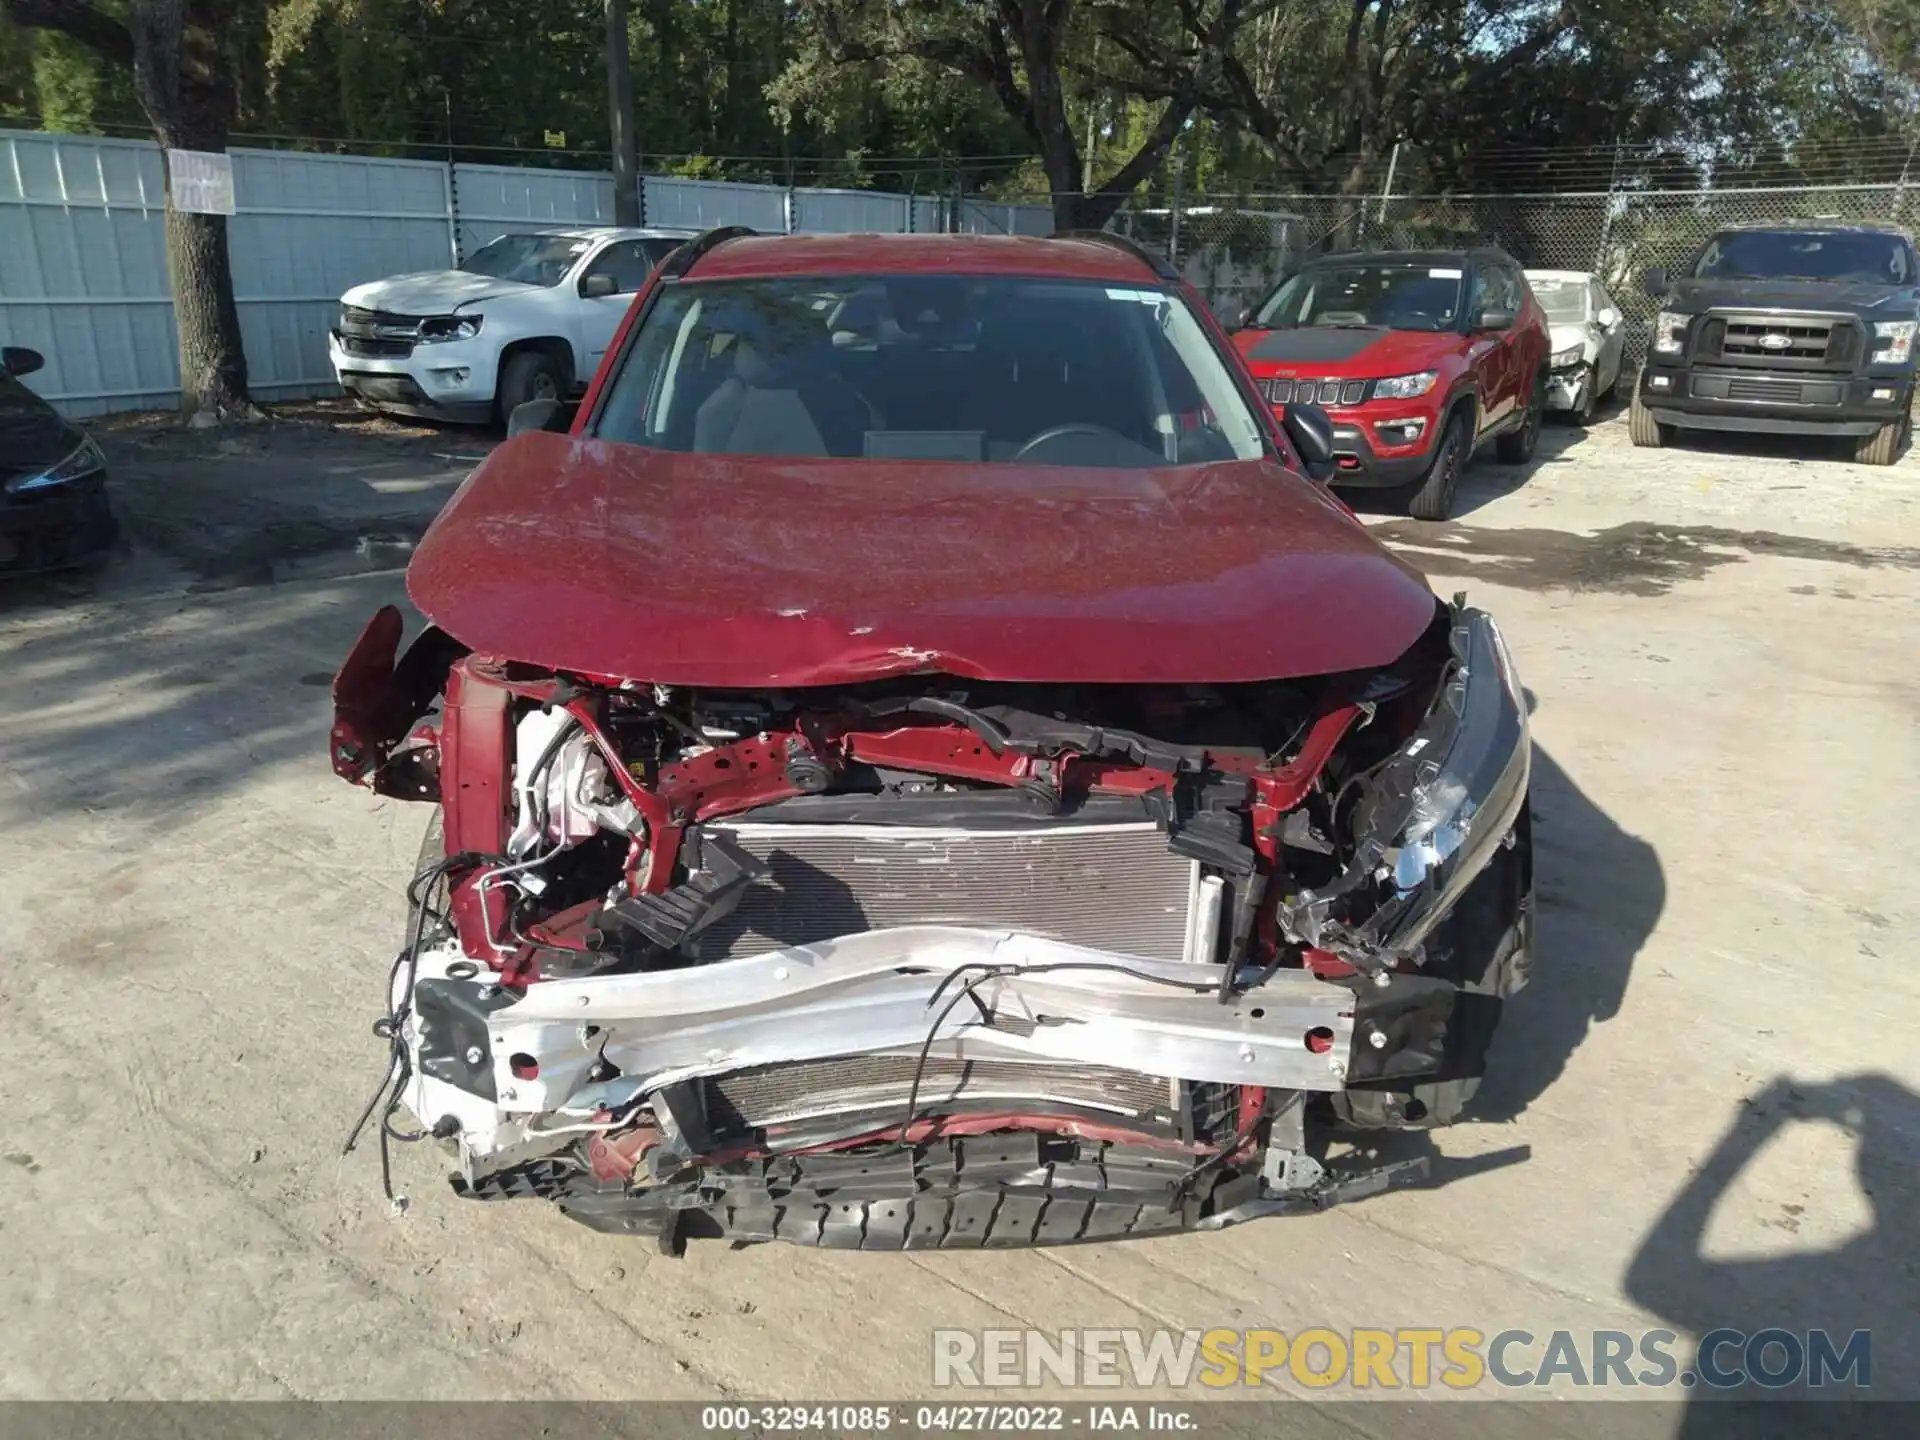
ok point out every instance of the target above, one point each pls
(626, 262)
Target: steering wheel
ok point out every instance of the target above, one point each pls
(1068, 431)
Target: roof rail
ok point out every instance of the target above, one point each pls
(680, 261)
(1152, 259)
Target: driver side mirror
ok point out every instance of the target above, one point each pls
(553, 415)
(1237, 315)
(1311, 431)
(19, 360)
(1495, 320)
(599, 287)
(1608, 317)
(1654, 282)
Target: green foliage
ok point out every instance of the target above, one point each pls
(1311, 95)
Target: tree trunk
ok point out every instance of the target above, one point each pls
(177, 51)
(626, 180)
(184, 83)
(213, 362)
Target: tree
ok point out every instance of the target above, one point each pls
(1024, 53)
(183, 77)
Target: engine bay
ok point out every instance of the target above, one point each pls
(663, 933)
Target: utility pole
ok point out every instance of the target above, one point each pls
(626, 163)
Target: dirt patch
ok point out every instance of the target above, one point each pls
(1637, 558)
(293, 427)
(316, 489)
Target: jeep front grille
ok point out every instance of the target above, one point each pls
(1316, 392)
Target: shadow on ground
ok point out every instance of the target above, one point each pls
(1866, 1283)
(143, 709)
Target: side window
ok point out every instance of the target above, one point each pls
(626, 261)
(1500, 288)
(1516, 287)
(658, 250)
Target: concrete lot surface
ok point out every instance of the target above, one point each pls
(1704, 1112)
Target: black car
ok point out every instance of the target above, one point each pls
(53, 480)
(1797, 328)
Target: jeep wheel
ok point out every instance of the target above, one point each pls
(1645, 431)
(1484, 946)
(1516, 446)
(1432, 497)
(530, 375)
(1883, 447)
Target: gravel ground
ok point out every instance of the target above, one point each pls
(1705, 1111)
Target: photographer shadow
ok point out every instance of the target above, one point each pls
(1869, 1282)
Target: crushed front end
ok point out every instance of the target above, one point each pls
(927, 961)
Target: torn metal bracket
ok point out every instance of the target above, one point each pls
(1332, 1190)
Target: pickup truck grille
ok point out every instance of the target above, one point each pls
(1780, 342)
(377, 334)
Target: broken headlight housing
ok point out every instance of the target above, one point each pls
(437, 328)
(1444, 802)
(1670, 332)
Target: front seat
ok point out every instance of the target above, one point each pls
(793, 404)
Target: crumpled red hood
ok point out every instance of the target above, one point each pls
(741, 571)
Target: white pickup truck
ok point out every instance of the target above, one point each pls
(527, 316)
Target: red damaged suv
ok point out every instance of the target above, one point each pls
(1421, 356)
(920, 765)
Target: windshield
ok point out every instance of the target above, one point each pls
(927, 367)
(1806, 255)
(530, 259)
(1565, 301)
(1394, 294)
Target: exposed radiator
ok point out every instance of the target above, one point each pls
(1113, 887)
(781, 1094)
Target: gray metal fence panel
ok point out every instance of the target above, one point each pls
(849, 212)
(702, 204)
(83, 269)
(310, 227)
(993, 217)
(493, 199)
(929, 214)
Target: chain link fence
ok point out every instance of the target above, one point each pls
(1235, 250)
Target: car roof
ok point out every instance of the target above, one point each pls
(1818, 226)
(1546, 274)
(1064, 257)
(1412, 257)
(600, 232)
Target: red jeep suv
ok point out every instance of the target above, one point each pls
(1421, 356)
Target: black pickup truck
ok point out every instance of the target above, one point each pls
(1795, 328)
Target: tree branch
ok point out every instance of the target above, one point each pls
(77, 20)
